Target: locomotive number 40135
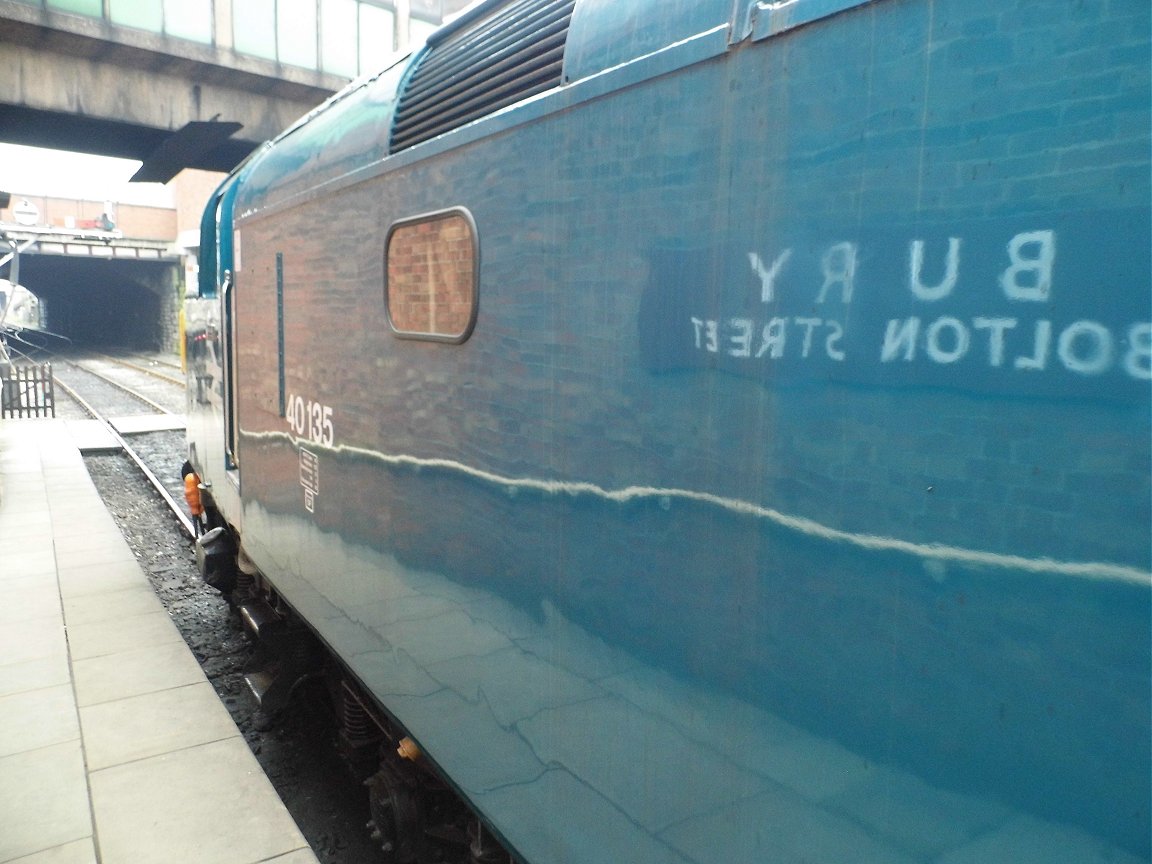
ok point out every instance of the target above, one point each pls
(311, 420)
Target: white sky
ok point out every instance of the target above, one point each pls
(62, 174)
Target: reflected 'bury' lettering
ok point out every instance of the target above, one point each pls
(1032, 340)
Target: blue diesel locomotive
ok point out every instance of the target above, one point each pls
(706, 430)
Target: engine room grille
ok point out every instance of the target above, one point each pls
(514, 52)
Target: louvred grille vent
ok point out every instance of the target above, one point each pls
(515, 52)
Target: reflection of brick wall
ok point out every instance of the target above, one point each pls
(430, 276)
(555, 355)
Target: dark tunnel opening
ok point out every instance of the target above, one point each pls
(110, 304)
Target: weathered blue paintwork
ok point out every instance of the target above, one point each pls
(790, 499)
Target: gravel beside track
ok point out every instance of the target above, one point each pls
(163, 453)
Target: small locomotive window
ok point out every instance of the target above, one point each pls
(430, 277)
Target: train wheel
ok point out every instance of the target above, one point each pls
(395, 804)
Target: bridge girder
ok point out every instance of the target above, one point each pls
(81, 84)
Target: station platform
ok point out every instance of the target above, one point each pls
(114, 747)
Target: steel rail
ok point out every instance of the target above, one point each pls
(127, 364)
(181, 516)
(155, 406)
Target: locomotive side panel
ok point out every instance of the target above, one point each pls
(801, 447)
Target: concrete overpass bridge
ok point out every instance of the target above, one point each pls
(186, 83)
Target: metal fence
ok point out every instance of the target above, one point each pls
(27, 391)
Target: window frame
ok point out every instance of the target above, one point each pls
(433, 216)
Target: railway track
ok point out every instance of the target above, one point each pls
(136, 458)
(156, 364)
(158, 392)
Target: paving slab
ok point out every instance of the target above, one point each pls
(131, 673)
(29, 598)
(32, 640)
(106, 605)
(213, 799)
(37, 718)
(122, 634)
(138, 423)
(138, 727)
(34, 674)
(91, 436)
(44, 799)
(77, 852)
(98, 578)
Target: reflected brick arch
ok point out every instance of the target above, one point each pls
(431, 276)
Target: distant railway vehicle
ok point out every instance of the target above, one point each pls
(706, 431)
(20, 309)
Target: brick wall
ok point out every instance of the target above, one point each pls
(192, 190)
(133, 220)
